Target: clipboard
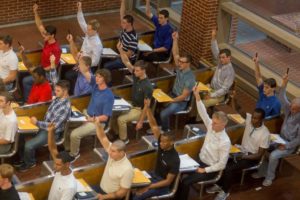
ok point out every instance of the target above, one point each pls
(160, 96)
(68, 58)
(25, 125)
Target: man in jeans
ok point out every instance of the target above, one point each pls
(290, 132)
(183, 85)
(58, 112)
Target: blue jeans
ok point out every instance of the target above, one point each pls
(172, 108)
(152, 192)
(114, 64)
(27, 85)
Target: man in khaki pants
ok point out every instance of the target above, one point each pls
(141, 90)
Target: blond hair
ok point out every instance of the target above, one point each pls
(6, 171)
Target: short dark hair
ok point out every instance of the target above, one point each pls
(129, 19)
(170, 135)
(261, 112)
(8, 97)
(50, 29)
(141, 64)
(64, 84)
(165, 13)
(87, 60)
(7, 39)
(39, 71)
(188, 57)
(227, 52)
(270, 82)
(105, 73)
(65, 157)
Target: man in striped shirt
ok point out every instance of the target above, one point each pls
(128, 39)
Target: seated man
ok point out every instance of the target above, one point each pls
(100, 106)
(8, 123)
(118, 173)
(64, 183)
(7, 189)
(290, 132)
(51, 47)
(141, 90)
(183, 85)
(128, 39)
(223, 77)
(162, 37)
(8, 62)
(58, 112)
(167, 162)
(266, 89)
(214, 152)
(82, 86)
(254, 144)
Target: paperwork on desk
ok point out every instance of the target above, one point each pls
(68, 58)
(109, 53)
(203, 87)
(25, 125)
(234, 149)
(144, 47)
(25, 196)
(277, 139)
(21, 67)
(236, 118)
(187, 163)
(160, 96)
(140, 179)
(82, 186)
(76, 115)
(121, 105)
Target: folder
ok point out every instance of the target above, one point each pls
(234, 149)
(21, 67)
(236, 118)
(68, 58)
(203, 87)
(160, 96)
(25, 125)
(139, 179)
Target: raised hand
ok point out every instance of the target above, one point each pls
(255, 58)
(21, 49)
(69, 38)
(51, 127)
(35, 8)
(175, 35)
(214, 33)
(79, 5)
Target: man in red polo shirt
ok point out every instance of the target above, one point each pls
(51, 47)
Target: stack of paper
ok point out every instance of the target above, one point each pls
(277, 139)
(121, 105)
(68, 58)
(237, 118)
(108, 52)
(25, 125)
(160, 96)
(144, 46)
(139, 178)
(187, 163)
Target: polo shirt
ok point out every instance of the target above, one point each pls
(167, 161)
(40, 93)
(163, 34)
(82, 86)
(101, 102)
(130, 42)
(10, 194)
(8, 62)
(48, 50)
(185, 79)
(141, 89)
(271, 105)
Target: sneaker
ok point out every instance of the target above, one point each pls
(256, 175)
(25, 168)
(267, 183)
(126, 141)
(222, 195)
(18, 163)
(213, 189)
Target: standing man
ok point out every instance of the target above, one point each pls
(7, 189)
(128, 39)
(266, 90)
(8, 62)
(183, 85)
(51, 47)
(162, 37)
(141, 90)
(290, 132)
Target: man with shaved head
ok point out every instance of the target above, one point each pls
(290, 132)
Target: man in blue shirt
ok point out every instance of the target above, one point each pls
(162, 37)
(82, 85)
(100, 106)
(267, 99)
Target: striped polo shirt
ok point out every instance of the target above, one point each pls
(129, 41)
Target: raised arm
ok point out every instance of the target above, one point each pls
(51, 141)
(37, 19)
(285, 103)
(148, 9)
(80, 18)
(124, 57)
(101, 135)
(25, 59)
(258, 76)
(175, 48)
(152, 122)
(122, 10)
(214, 44)
(201, 108)
(73, 48)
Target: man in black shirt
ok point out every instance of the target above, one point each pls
(7, 190)
(167, 162)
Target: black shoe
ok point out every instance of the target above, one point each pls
(75, 157)
(25, 168)
(18, 163)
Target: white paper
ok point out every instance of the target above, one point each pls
(144, 46)
(186, 163)
(109, 52)
(24, 196)
(121, 102)
(277, 139)
(146, 174)
(78, 119)
(81, 187)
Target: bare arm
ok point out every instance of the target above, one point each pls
(185, 94)
(152, 122)
(37, 19)
(11, 76)
(51, 141)
(73, 48)
(163, 183)
(88, 76)
(148, 9)
(160, 49)
(25, 59)
(125, 58)
(122, 10)
(4, 141)
(175, 48)
(101, 135)
(116, 195)
(256, 156)
(258, 76)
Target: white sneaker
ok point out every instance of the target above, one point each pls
(267, 183)
(255, 175)
(222, 196)
(213, 189)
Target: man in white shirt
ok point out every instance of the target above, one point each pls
(118, 173)
(8, 123)
(8, 62)
(64, 183)
(214, 152)
(254, 144)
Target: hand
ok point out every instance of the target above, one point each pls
(100, 197)
(120, 46)
(147, 102)
(196, 92)
(70, 38)
(79, 6)
(281, 147)
(21, 49)
(138, 126)
(35, 8)
(214, 33)
(91, 119)
(255, 60)
(175, 35)
(51, 127)
(285, 79)
(201, 170)
(33, 120)
(207, 97)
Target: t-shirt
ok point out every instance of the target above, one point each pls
(141, 89)
(8, 62)
(130, 42)
(82, 86)
(101, 102)
(63, 187)
(8, 126)
(167, 162)
(271, 105)
(48, 50)
(163, 34)
(9, 194)
(253, 139)
(117, 174)
(40, 93)
(185, 79)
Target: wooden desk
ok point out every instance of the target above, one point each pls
(25, 125)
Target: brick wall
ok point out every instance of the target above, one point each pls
(197, 21)
(21, 10)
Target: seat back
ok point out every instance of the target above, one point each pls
(172, 191)
(229, 97)
(14, 148)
